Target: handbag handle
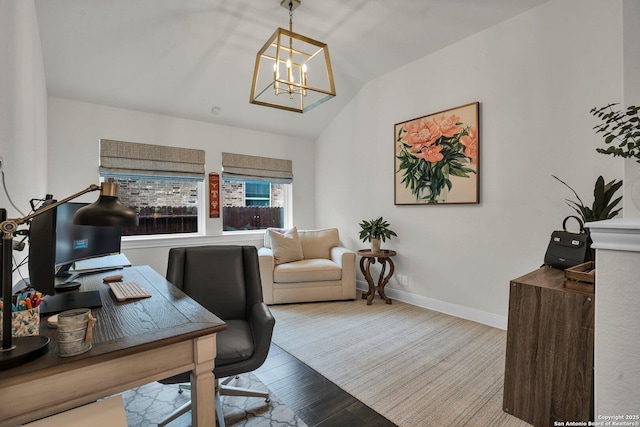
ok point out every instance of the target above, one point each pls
(564, 223)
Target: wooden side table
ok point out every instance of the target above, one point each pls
(549, 354)
(384, 258)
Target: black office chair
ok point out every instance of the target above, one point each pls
(226, 281)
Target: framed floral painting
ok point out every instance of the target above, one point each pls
(437, 158)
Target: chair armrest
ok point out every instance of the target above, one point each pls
(346, 259)
(342, 256)
(262, 322)
(266, 262)
(265, 255)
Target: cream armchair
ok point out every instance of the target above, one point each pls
(305, 266)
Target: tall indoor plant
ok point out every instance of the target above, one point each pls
(375, 230)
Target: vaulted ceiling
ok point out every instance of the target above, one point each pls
(184, 57)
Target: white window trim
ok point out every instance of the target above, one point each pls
(251, 238)
(288, 206)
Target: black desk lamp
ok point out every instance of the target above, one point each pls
(107, 210)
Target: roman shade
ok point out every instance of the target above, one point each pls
(256, 168)
(120, 157)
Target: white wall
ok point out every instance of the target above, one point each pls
(23, 100)
(631, 72)
(76, 127)
(536, 77)
(23, 108)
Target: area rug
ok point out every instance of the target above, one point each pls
(152, 403)
(416, 367)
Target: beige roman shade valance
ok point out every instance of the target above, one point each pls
(132, 158)
(258, 168)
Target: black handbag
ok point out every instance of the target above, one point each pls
(567, 249)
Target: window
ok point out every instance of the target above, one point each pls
(163, 184)
(256, 192)
(165, 205)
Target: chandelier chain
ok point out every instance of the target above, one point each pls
(290, 16)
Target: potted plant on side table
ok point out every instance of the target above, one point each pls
(374, 231)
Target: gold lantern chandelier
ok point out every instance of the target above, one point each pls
(289, 70)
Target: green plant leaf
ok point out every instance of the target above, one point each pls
(606, 212)
(623, 126)
(598, 195)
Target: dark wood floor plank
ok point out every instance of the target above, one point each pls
(315, 399)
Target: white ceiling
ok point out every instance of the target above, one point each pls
(183, 57)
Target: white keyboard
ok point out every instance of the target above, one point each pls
(128, 290)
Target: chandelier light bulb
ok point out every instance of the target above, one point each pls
(276, 76)
(304, 79)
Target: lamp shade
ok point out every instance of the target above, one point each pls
(107, 210)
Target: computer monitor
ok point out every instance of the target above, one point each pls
(79, 242)
(42, 250)
(55, 243)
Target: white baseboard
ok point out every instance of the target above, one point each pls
(463, 312)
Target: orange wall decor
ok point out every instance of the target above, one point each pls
(214, 195)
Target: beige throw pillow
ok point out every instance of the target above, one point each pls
(286, 246)
(318, 243)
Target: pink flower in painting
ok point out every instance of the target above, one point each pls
(470, 143)
(447, 125)
(431, 153)
(421, 132)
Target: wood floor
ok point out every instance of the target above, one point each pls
(315, 399)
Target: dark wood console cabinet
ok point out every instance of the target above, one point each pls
(549, 360)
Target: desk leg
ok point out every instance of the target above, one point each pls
(203, 383)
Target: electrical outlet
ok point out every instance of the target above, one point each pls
(402, 280)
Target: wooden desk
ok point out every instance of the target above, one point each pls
(384, 258)
(134, 343)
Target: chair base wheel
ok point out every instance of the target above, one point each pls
(221, 389)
